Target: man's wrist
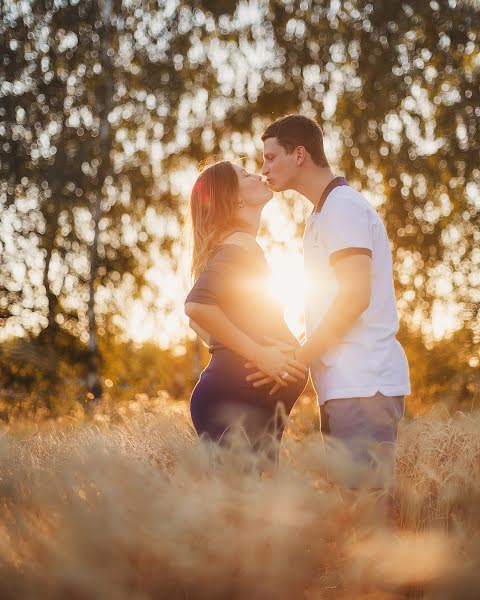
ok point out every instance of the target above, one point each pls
(301, 354)
(309, 351)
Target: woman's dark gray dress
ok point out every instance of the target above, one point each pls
(235, 279)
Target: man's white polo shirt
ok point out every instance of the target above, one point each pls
(369, 358)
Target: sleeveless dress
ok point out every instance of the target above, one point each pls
(235, 279)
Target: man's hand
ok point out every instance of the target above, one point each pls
(301, 356)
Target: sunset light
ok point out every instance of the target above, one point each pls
(239, 299)
(288, 285)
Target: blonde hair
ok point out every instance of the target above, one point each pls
(213, 203)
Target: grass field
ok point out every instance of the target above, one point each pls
(132, 505)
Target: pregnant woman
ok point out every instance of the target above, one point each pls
(232, 310)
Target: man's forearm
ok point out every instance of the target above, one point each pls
(339, 319)
(214, 321)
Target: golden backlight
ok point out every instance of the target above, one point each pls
(288, 284)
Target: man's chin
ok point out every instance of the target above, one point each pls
(276, 187)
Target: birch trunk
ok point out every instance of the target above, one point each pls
(105, 135)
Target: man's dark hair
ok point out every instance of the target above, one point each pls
(292, 131)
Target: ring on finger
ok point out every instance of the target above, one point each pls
(284, 375)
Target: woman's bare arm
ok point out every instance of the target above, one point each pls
(212, 319)
(202, 334)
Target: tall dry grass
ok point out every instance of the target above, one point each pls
(133, 506)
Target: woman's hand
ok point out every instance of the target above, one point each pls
(272, 361)
(295, 368)
(276, 362)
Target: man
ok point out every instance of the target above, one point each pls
(359, 369)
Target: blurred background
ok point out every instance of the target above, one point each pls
(108, 107)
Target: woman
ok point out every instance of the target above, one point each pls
(231, 308)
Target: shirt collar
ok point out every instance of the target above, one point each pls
(337, 182)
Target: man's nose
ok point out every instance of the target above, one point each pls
(264, 169)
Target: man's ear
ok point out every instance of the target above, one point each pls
(300, 154)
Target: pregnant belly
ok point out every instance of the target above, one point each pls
(225, 380)
(229, 367)
(222, 399)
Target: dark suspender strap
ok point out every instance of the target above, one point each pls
(337, 182)
(324, 423)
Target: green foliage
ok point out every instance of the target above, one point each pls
(147, 369)
(98, 111)
(37, 378)
(52, 379)
(441, 372)
(84, 98)
(398, 85)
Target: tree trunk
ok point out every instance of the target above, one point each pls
(105, 106)
(56, 182)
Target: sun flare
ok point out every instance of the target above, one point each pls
(288, 284)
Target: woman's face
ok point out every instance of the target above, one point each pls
(252, 190)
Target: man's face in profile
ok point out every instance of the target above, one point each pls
(279, 167)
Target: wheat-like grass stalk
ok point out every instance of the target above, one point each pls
(135, 506)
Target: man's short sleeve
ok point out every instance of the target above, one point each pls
(344, 228)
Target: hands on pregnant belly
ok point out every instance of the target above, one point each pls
(223, 398)
(277, 364)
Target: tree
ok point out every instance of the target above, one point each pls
(92, 90)
(398, 86)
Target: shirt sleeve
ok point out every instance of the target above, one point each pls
(213, 281)
(345, 229)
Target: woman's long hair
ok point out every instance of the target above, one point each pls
(213, 201)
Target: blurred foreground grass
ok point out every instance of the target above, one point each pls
(130, 504)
